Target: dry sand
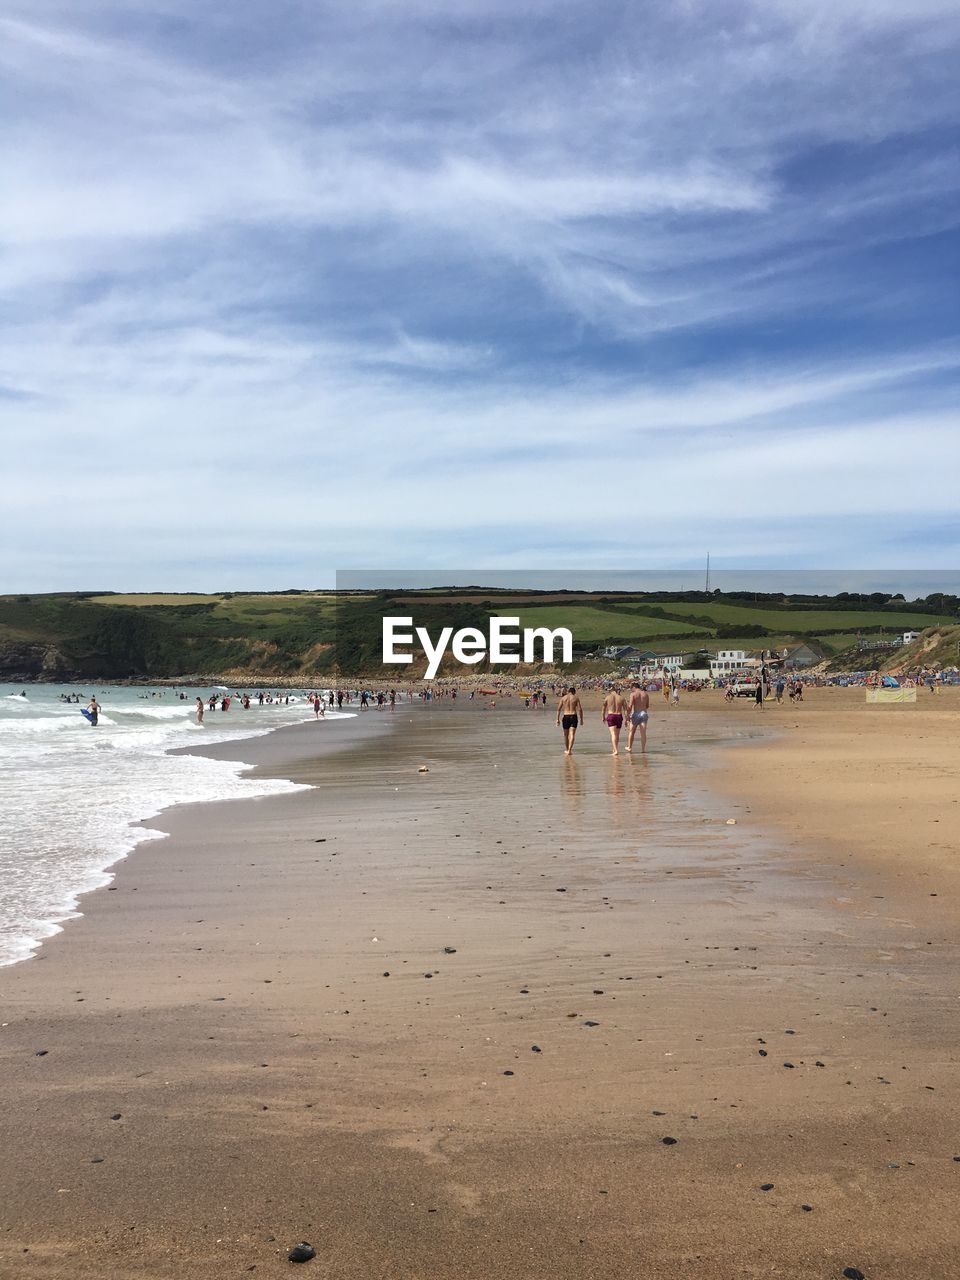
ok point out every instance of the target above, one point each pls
(625, 967)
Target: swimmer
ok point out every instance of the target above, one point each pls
(638, 709)
(570, 715)
(199, 711)
(611, 713)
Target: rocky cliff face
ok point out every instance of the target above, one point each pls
(25, 661)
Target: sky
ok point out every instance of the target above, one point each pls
(293, 287)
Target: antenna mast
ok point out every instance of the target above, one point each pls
(707, 586)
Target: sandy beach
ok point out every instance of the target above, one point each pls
(518, 1015)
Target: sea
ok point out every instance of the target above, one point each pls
(70, 791)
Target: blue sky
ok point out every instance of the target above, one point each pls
(293, 287)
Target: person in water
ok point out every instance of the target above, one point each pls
(199, 711)
(569, 714)
(611, 713)
(639, 711)
(93, 708)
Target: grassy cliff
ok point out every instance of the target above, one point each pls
(298, 635)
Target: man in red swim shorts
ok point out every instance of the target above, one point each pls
(612, 715)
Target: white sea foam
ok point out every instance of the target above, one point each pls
(69, 792)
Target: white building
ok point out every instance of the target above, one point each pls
(909, 637)
(673, 661)
(729, 661)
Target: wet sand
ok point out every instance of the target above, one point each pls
(267, 1003)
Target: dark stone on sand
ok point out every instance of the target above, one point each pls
(561, 891)
(508, 1073)
(449, 951)
(762, 1053)
(301, 1252)
(789, 1065)
(669, 1142)
(766, 1186)
(597, 991)
(115, 1116)
(535, 1048)
(322, 840)
(588, 1023)
(97, 1160)
(41, 1053)
(658, 1113)
(807, 1208)
(386, 973)
(853, 1273)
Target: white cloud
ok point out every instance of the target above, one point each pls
(549, 242)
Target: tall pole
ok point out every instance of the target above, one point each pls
(707, 586)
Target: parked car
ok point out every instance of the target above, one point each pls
(745, 686)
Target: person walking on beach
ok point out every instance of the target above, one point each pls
(611, 714)
(199, 711)
(675, 692)
(318, 707)
(570, 715)
(639, 710)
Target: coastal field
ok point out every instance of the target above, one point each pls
(468, 1008)
(299, 635)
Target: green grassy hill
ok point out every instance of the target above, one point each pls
(297, 635)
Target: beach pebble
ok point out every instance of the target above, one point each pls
(301, 1252)
(731, 822)
(41, 1053)
(423, 769)
(766, 1186)
(807, 1208)
(449, 951)
(535, 1048)
(669, 1142)
(853, 1273)
(116, 1116)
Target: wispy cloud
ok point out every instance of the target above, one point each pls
(467, 262)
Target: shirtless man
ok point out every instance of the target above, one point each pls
(570, 712)
(639, 710)
(611, 714)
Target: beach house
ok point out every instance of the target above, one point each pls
(729, 661)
